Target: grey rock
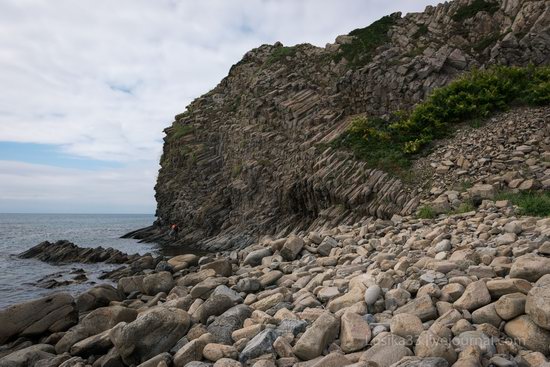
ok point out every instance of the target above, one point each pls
(28, 356)
(421, 362)
(213, 306)
(153, 332)
(98, 296)
(255, 257)
(158, 282)
(228, 322)
(56, 312)
(371, 294)
(259, 345)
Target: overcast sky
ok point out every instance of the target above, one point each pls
(87, 86)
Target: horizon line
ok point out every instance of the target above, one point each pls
(68, 213)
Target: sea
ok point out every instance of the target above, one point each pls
(19, 232)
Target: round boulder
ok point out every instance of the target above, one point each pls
(154, 331)
(159, 282)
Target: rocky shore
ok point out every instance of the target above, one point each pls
(468, 289)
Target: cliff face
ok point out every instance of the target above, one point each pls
(250, 157)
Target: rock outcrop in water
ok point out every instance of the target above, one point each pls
(250, 158)
(63, 252)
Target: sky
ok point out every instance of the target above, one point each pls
(87, 86)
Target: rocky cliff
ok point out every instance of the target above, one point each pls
(251, 157)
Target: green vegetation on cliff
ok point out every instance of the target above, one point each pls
(181, 131)
(469, 11)
(366, 40)
(391, 144)
(531, 203)
(281, 53)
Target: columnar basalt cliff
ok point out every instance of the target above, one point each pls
(251, 156)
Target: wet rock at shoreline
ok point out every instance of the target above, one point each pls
(53, 313)
(62, 252)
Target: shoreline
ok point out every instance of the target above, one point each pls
(405, 289)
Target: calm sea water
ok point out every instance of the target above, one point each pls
(19, 232)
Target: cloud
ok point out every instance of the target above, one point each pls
(101, 79)
(28, 187)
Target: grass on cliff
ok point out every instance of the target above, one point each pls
(280, 54)
(469, 11)
(391, 144)
(426, 212)
(536, 204)
(361, 50)
(181, 131)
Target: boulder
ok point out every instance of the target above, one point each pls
(475, 338)
(259, 345)
(422, 307)
(56, 312)
(193, 279)
(248, 285)
(98, 296)
(158, 282)
(421, 362)
(385, 355)
(254, 258)
(163, 359)
(537, 304)
(226, 291)
(530, 267)
(528, 334)
(292, 247)
(332, 360)
(475, 296)
(430, 344)
(214, 352)
(205, 288)
(182, 261)
(28, 356)
(353, 296)
(500, 287)
(222, 267)
(486, 315)
(355, 332)
(93, 345)
(371, 294)
(323, 330)
(510, 305)
(266, 303)
(407, 326)
(228, 322)
(192, 351)
(482, 191)
(131, 284)
(213, 306)
(226, 362)
(94, 323)
(154, 331)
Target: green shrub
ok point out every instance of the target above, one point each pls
(486, 42)
(181, 131)
(475, 96)
(469, 11)
(530, 203)
(369, 141)
(426, 212)
(464, 207)
(236, 169)
(280, 54)
(366, 40)
(539, 93)
(422, 30)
